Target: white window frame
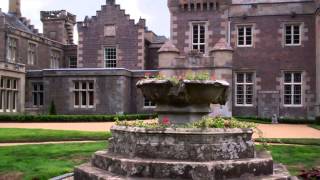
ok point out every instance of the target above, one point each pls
(107, 60)
(292, 34)
(87, 91)
(245, 84)
(245, 36)
(198, 43)
(12, 49)
(9, 96)
(55, 58)
(32, 53)
(292, 84)
(147, 104)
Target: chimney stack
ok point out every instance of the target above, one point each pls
(14, 7)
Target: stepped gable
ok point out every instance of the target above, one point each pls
(88, 21)
(20, 23)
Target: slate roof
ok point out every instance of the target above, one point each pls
(15, 22)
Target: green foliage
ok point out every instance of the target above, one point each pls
(42, 162)
(318, 120)
(202, 76)
(210, 122)
(73, 118)
(52, 109)
(10, 135)
(206, 122)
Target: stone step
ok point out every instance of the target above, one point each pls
(88, 172)
(262, 165)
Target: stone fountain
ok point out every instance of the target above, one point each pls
(181, 153)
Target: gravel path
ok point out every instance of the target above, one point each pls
(269, 131)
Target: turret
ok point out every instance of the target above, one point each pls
(58, 25)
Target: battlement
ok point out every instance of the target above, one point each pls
(198, 5)
(58, 15)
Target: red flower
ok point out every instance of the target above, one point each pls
(165, 121)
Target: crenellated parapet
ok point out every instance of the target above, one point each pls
(198, 5)
(58, 15)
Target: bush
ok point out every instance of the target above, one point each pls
(318, 120)
(281, 120)
(73, 118)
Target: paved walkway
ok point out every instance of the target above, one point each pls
(269, 131)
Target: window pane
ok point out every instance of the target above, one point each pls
(84, 85)
(1, 100)
(91, 85)
(297, 89)
(240, 99)
(240, 78)
(91, 98)
(84, 98)
(41, 99)
(287, 78)
(287, 89)
(297, 99)
(35, 99)
(14, 98)
(76, 85)
(249, 99)
(76, 98)
(240, 89)
(287, 99)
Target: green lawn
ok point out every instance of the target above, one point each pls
(41, 135)
(41, 162)
(290, 141)
(37, 162)
(316, 126)
(297, 158)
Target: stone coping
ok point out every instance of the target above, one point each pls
(185, 131)
(206, 82)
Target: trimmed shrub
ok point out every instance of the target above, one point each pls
(74, 118)
(318, 120)
(281, 120)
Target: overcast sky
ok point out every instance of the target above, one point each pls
(154, 11)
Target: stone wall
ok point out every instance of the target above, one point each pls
(114, 90)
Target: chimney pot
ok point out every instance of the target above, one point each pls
(15, 7)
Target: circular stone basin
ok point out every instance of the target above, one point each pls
(184, 92)
(198, 145)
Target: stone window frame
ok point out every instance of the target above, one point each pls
(38, 91)
(10, 91)
(116, 56)
(283, 26)
(207, 37)
(35, 53)
(148, 104)
(254, 84)
(74, 66)
(252, 25)
(53, 60)
(302, 88)
(87, 91)
(8, 49)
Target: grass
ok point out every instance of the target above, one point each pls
(315, 126)
(296, 158)
(315, 142)
(41, 162)
(9, 135)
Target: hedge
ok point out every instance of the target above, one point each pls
(73, 118)
(281, 120)
(318, 120)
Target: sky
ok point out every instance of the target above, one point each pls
(154, 11)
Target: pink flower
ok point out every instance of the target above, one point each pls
(147, 75)
(213, 77)
(165, 121)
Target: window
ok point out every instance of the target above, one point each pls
(245, 36)
(292, 34)
(149, 104)
(55, 59)
(32, 53)
(37, 94)
(198, 37)
(292, 89)
(111, 57)
(73, 62)
(244, 89)
(83, 94)
(8, 94)
(12, 50)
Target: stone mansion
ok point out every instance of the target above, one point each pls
(268, 50)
